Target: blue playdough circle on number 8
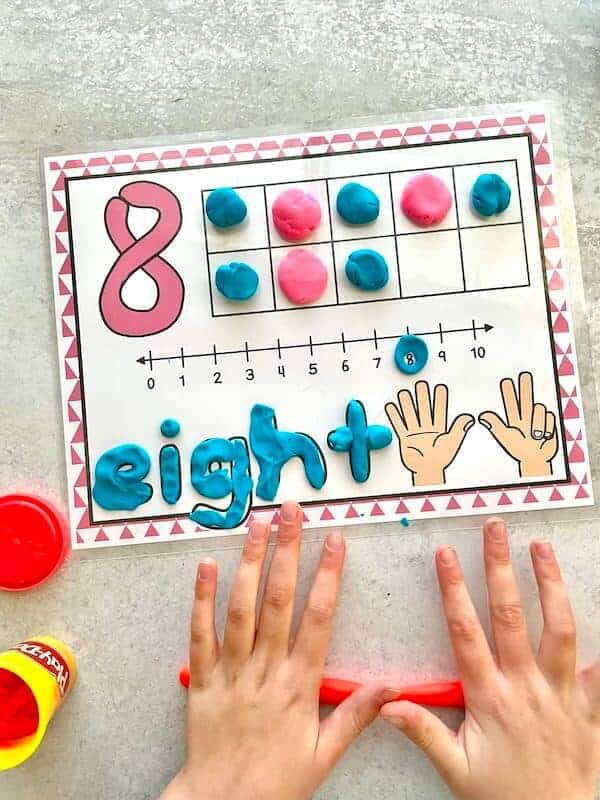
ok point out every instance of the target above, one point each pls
(411, 354)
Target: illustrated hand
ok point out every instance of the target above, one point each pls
(532, 725)
(529, 433)
(253, 708)
(427, 445)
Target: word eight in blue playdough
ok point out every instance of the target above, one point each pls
(411, 354)
(357, 204)
(218, 483)
(236, 281)
(357, 438)
(225, 208)
(119, 476)
(273, 448)
(490, 195)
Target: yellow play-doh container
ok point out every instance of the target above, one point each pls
(47, 666)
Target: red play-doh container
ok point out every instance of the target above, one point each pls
(34, 541)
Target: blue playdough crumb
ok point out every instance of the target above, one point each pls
(236, 281)
(367, 269)
(490, 195)
(170, 427)
(225, 208)
(357, 204)
(404, 522)
(411, 354)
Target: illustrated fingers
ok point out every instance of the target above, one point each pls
(440, 407)
(506, 611)
(423, 404)
(498, 428)
(240, 628)
(273, 635)
(526, 397)
(407, 408)
(314, 631)
(204, 648)
(511, 403)
(538, 421)
(557, 651)
(550, 425)
(456, 434)
(471, 649)
(396, 419)
(430, 735)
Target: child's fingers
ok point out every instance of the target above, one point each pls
(203, 636)
(240, 628)
(557, 653)
(431, 735)
(471, 649)
(273, 635)
(348, 721)
(312, 639)
(590, 680)
(506, 611)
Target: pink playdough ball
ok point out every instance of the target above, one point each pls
(302, 277)
(296, 214)
(425, 200)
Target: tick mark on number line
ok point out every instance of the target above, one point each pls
(474, 330)
(182, 357)
(279, 348)
(441, 333)
(247, 354)
(215, 353)
(375, 338)
(407, 331)
(310, 344)
(343, 343)
(150, 359)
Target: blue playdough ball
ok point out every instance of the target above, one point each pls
(356, 204)
(225, 208)
(411, 354)
(236, 281)
(367, 269)
(490, 195)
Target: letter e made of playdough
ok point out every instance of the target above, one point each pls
(273, 448)
(119, 478)
(234, 480)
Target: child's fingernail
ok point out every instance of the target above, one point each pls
(205, 569)
(496, 529)
(469, 425)
(289, 511)
(538, 434)
(447, 556)
(485, 423)
(544, 549)
(334, 542)
(257, 532)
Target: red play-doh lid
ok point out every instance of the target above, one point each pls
(34, 541)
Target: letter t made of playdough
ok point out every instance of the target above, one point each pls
(273, 448)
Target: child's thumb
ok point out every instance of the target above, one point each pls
(430, 734)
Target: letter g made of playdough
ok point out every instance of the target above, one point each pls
(218, 483)
(273, 448)
(119, 476)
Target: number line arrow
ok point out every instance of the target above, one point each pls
(182, 357)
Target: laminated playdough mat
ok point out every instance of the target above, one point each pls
(189, 410)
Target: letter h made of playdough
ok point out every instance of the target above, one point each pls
(273, 448)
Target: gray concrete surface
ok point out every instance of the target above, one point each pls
(75, 72)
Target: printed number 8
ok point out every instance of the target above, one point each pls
(410, 359)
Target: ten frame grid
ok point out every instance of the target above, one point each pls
(395, 235)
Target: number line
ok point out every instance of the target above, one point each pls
(277, 348)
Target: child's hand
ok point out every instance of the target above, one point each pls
(253, 713)
(532, 726)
